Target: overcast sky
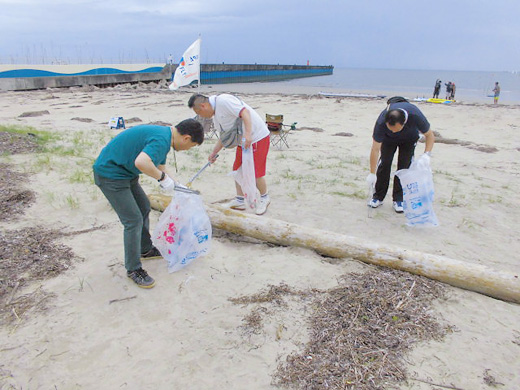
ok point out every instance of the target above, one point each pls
(403, 34)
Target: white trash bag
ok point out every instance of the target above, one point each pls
(418, 193)
(245, 177)
(183, 232)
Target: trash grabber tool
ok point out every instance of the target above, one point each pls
(188, 184)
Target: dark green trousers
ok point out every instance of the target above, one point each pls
(133, 208)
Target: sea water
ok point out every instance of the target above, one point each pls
(471, 86)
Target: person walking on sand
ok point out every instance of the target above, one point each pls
(140, 149)
(226, 110)
(397, 127)
(496, 92)
(437, 89)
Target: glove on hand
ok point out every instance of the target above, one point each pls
(426, 157)
(371, 179)
(167, 184)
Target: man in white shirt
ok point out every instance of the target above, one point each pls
(225, 110)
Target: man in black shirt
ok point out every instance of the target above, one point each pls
(437, 89)
(397, 127)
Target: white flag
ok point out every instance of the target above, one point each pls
(188, 68)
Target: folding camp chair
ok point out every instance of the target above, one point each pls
(279, 131)
(207, 125)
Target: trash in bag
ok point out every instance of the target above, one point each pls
(418, 193)
(183, 232)
(245, 177)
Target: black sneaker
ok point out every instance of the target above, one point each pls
(141, 278)
(151, 254)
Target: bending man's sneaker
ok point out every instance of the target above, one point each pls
(141, 278)
(375, 203)
(261, 207)
(151, 254)
(398, 207)
(238, 203)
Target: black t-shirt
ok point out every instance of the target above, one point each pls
(410, 133)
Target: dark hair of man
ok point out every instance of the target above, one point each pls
(192, 128)
(197, 99)
(393, 117)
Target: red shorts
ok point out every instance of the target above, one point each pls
(260, 150)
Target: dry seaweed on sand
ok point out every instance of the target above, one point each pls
(360, 331)
(13, 200)
(30, 255)
(253, 322)
(13, 143)
(273, 294)
(490, 379)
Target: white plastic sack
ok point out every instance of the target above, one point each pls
(418, 193)
(183, 232)
(245, 177)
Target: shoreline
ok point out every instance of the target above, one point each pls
(283, 88)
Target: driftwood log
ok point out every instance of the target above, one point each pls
(497, 284)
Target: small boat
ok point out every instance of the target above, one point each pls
(442, 101)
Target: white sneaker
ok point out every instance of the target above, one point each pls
(261, 207)
(398, 207)
(237, 204)
(375, 203)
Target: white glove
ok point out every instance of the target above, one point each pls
(371, 179)
(167, 184)
(426, 157)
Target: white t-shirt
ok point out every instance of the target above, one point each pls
(227, 110)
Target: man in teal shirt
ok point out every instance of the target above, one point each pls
(140, 149)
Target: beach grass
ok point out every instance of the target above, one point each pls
(41, 137)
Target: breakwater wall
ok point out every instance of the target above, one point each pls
(29, 77)
(236, 73)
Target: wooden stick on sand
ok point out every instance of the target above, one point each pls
(474, 277)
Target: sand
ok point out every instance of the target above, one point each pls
(185, 333)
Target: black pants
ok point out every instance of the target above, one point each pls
(384, 167)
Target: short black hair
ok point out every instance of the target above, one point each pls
(197, 98)
(393, 117)
(193, 128)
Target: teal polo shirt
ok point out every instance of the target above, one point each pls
(117, 159)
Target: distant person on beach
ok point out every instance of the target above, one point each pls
(170, 59)
(448, 90)
(140, 149)
(437, 89)
(453, 88)
(226, 110)
(397, 127)
(496, 92)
